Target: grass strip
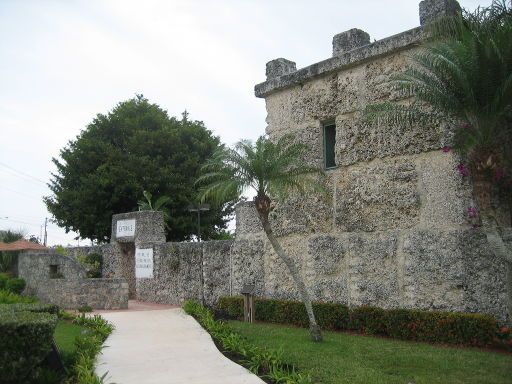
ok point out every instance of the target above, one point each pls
(264, 362)
(361, 359)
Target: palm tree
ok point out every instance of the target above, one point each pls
(272, 170)
(158, 205)
(464, 74)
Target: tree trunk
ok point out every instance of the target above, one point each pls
(263, 209)
(483, 188)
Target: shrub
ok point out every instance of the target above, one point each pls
(231, 307)
(25, 340)
(7, 297)
(64, 315)
(437, 327)
(7, 259)
(441, 327)
(61, 250)
(30, 307)
(92, 262)
(367, 319)
(3, 279)
(84, 308)
(264, 362)
(100, 326)
(15, 285)
(88, 346)
(329, 315)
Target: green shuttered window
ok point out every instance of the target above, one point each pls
(329, 144)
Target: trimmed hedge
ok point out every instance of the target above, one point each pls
(25, 340)
(437, 327)
(329, 315)
(30, 307)
(7, 297)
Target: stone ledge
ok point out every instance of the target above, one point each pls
(356, 56)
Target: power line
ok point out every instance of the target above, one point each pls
(22, 222)
(22, 173)
(22, 193)
(50, 232)
(31, 223)
(8, 172)
(20, 216)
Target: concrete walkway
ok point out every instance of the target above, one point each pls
(164, 346)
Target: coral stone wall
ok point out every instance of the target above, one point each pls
(183, 271)
(395, 232)
(69, 288)
(119, 255)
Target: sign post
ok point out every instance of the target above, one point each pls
(248, 292)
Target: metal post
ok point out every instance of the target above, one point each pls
(199, 225)
(198, 209)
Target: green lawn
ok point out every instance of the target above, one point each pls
(64, 336)
(346, 358)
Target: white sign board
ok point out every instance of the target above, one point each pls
(144, 263)
(125, 228)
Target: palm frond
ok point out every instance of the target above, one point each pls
(463, 73)
(270, 168)
(161, 202)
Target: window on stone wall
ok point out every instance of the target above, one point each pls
(329, 144)
(55, 272)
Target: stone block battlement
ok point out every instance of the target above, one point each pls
(352, 47)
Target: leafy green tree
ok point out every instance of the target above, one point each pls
(134, 148)
(464, 74)
(272, 170)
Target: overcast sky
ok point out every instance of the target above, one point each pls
(62, 62)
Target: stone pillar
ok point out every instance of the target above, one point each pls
(279, 67)
(349, 40)
(430, 10)
(138, 227)
(247, 220)
(132, 231)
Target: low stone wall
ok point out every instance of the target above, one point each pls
(72, 294)
(58, 279)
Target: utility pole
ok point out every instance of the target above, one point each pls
(45, 231)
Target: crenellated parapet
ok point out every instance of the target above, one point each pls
(352, 47)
